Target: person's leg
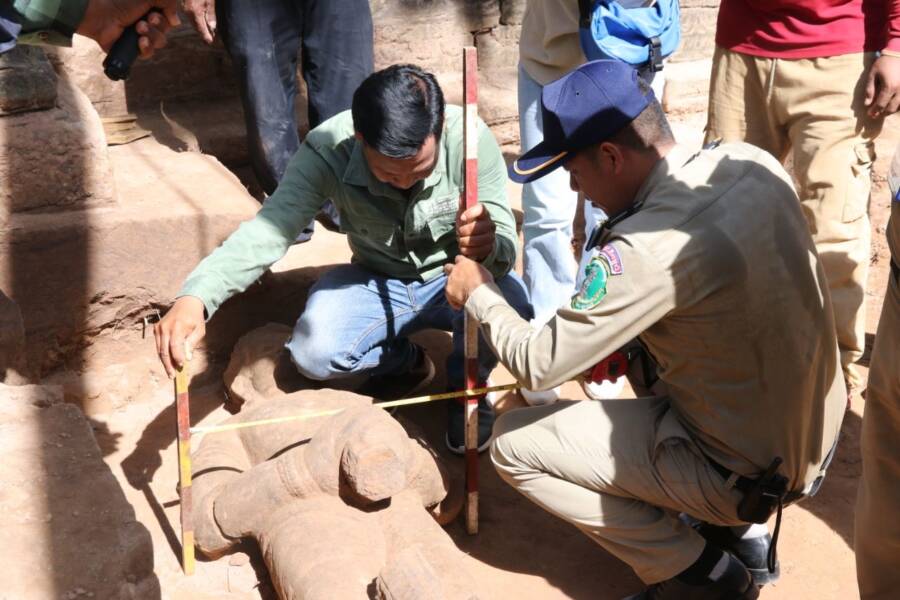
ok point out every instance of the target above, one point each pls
(741, 103)
(263, 38)
(833, 152)
(620, 471)
(437, 313)
(549, 207)
(354, 322)
(877, 540)
(337, 53)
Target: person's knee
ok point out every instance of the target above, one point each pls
(505, 451)
(313, 352)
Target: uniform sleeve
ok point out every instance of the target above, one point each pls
(492, 193)
(599, 319)
(260, 242)
(40, 21)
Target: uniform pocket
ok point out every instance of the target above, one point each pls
(440, 215)
(856, 204)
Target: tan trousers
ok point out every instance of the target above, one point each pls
(619, 470)
(812, 109)
(878, 503)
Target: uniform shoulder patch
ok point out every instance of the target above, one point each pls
(593, 288)
(613, 260)
(605, 263)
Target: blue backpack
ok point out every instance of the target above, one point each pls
(638, 32)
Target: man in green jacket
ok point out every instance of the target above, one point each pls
(392, 166)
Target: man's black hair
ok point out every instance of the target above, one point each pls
(397, 108)
(647, 129)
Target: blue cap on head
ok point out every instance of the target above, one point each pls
(585, 107)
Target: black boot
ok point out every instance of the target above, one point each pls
(733, 583)
(753, 552)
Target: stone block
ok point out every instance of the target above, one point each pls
(186, 69)
(27, 80)
(55, 159)
(82, 272)
(68, 529)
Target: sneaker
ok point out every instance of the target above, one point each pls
(734, 583)
(456, 424)
(540, 398)
(752, 552)
(409, 384)
(304, 236)
(603, 390)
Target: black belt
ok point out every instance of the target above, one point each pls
(744, 484)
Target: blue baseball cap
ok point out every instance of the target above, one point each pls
(585, 107)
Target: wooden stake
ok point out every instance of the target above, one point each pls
(470, 199)
(183, 415)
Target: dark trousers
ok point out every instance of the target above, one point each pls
(263, 38)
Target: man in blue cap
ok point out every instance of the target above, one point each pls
(707, 261)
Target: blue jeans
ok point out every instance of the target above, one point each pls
(263, 38)
(357, 321)
(549, 206)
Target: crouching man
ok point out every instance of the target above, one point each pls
(708, 262)
(392, 166)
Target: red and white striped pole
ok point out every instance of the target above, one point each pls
(470, 199)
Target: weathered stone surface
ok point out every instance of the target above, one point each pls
(251, 373)
(687, 86)
(12, 342)
(186, 69)
(68, 530)
(27, 80)
(55, 159)
(698, 32)
(110, 266)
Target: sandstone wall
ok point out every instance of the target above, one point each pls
(426, 32)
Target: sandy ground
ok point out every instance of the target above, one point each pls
(521, 551)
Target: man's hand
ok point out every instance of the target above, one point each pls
(475, 232)
(883, 86)
(105, 20)
(202, 14)
(462, 279)
(179, 332)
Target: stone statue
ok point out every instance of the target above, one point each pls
(343, 506)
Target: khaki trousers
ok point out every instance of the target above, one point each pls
(619, 470)
(813, 110)
(878, 503)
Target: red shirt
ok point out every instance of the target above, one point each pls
(808, 28)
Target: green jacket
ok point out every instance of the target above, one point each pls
(43, 21)
(388, 233)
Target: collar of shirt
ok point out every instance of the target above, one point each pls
(671, 163)
(357, 173)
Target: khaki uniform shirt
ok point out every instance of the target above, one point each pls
(390, 233)
(718, 277)
(548, 45)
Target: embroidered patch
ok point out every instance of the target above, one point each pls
(613, 260)
(593, 289)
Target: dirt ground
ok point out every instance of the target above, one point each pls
(521, 551)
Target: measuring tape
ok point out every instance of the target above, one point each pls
(327, 413)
